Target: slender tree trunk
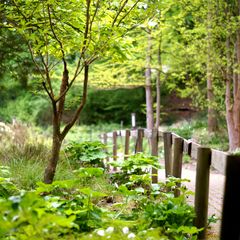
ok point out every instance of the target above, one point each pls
(237, 86)
(212, 119)
(212, 115)
(56, 146)
(148, 85)
(232, 102)
(232, 97)
(158, 86)
(52, 164)
(58, 109)
(58, 136)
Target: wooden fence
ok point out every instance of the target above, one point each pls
(174, 147)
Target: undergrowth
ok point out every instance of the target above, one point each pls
(91, 203)
(197, 130)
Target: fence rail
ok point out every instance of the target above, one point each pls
(174, 147)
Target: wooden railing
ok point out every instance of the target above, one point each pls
(174, 147)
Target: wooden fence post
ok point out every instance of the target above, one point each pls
(167, 140)
(126, 146)
(230, 226)
(139, 140)
(202, 189)
(177, 160)
(104, 141)
(114, 139)
(154, 152)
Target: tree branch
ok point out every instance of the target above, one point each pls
(56, 37)
(88, 2)
(82, 103)
(128, 12)
(119, 12)
(33, 59)
(48, 76)
(69, 86)
(49, 94)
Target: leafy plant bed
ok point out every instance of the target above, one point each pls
(97, 205)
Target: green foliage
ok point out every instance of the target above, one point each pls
(31, 108)
(197, 130)
(89, 172)
(135, 169)
(28, 216)
(15, 62)
(89, 132)
(114, 106)
(185, 130)
(69, 209)
(86, 153)
(137, 163)
(212, 219)
(7, 188)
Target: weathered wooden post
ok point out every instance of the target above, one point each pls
(167, 140)
(202, 189)
(154, 152)
(139, 140)
(177, 160)
(104, 141)
(114, 139)
(126, 147)
(230, 226)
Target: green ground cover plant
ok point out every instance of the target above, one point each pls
(86, 153)
(86, 201)
(90, 204)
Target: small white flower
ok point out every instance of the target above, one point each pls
(125, 230)
(131, 235)
(101, 233)
(109, 229)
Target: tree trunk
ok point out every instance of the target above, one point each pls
(232, 98)
(148, 87)
(212, 115)
(158, 86)
(58, 136)
(212, 119)
(237, 86)
(56, 146)
(52, 164)
(232, 102)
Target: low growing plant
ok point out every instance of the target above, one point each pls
(86, 154)
(135, 165)
(81, 207)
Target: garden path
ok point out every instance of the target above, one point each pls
(216, 190)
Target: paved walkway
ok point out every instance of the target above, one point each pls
(216, 189)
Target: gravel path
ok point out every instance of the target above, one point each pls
(216, 189)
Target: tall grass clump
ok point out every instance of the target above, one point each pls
(25, 150)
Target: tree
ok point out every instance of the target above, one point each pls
(148, 84)
(68, 33)
(231, 71)
(212, 115)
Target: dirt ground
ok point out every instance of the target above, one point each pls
(216, 190)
